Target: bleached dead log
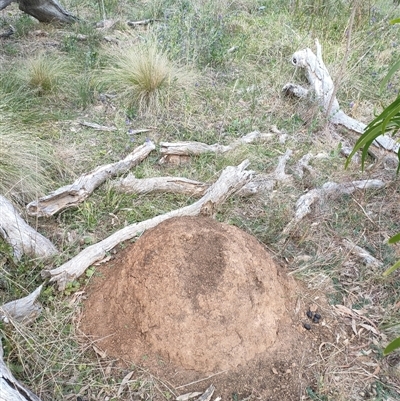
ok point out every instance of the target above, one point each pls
(230, 181)
(329, 189)
(280, 174)
(260, 184)
(178, 185)
(72, 195)
(10, 388)
(23, 310)
(196, 148)
(21, 236)
(368, 259)
(322, 88)
(303, 165)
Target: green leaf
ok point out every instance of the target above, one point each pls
(394, 21)
(388, 120)
(391, 269)
(389, 75)
(395, 238)
(392, 346)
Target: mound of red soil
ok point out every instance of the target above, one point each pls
(200, 296)
(203, 294)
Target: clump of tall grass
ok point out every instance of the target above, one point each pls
(146, 79)
(45, 74)
(25, 164)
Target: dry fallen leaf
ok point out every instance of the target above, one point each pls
(187, 396)
(370, 328)
(99, 352)
(124, 382)
(207, 394)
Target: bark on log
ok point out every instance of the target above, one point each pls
(303, 205)
(43, 10)
(5, 3)
(178, 185)
(230, 181)
(22, 237)
(22, 310)
(197, 148)
(323, 88)
(72, 195)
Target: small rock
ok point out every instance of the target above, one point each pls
(307, 326)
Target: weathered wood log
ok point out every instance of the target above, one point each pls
(322, 88)
(72, 195)
(264, 183)
(188, 148)
(21, 236)
(332, 189)
(230, 181)
(23, 310)
(10, 388)
(6, 3)
(178, 185)
(43, 10)
(260, 183)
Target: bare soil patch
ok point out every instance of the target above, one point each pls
(194, 298)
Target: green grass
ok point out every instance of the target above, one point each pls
(27, 164)
(146, 79)
(180, 77)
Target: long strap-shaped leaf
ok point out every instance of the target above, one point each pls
(388, 120)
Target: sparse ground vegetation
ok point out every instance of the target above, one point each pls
(210, 72)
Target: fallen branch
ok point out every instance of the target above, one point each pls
(230, 181)
(368, 259)
(264, 183)
(303, 205)
(72, 195)
(21, 236)
(323, 89)
(168, 149)
(23, 310)
(10, 388)
(133, 185)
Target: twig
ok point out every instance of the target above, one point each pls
(201, 380)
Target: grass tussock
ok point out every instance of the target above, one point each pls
(146, 79)
(45, 74)
(27, 164)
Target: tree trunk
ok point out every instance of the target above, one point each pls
(43, 10)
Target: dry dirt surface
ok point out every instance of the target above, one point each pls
(193, 299)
